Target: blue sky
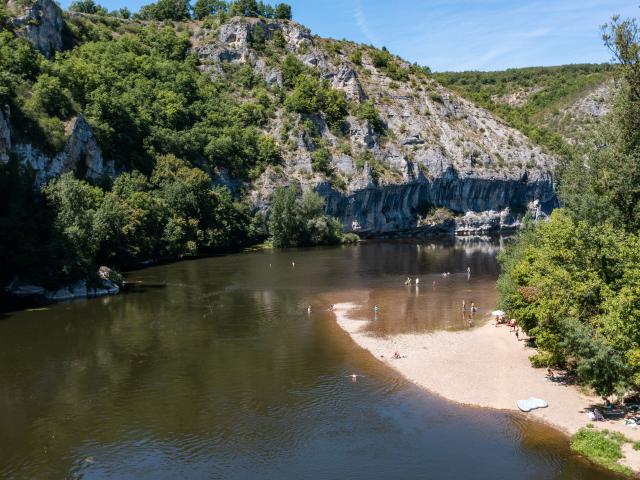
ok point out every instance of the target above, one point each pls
(463, 34)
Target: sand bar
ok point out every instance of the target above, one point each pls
(484, 366)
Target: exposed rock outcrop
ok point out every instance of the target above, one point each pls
(40, 22)
(81, 154)
(488, 203)
(438, 149)
(99, 287)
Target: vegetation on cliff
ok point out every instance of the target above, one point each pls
(166, 124)
(537, 100)
(574, 282)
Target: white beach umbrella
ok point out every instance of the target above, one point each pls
(497, 313)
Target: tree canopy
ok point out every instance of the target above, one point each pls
(574, 282)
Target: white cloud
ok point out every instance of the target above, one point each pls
(361, 21)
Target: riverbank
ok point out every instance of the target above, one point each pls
(485, 367)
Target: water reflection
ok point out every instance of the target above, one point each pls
(213, 369)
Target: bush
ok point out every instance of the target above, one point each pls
(601, 447)
(367, 111)
(321, 161)
(299, 220)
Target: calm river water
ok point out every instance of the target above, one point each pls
(211, 369)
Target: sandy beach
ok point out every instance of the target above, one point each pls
(484, 366)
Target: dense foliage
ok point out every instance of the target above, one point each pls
(74, 226)
(574, 283)
(299, 220)
(178, 10)
(168, 125)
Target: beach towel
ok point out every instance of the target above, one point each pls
(531, 403)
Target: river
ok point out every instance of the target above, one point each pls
(212, 369)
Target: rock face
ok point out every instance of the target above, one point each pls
(81, 154)
(438, 150)
(488, 203)
(40, 22)
(81, 289)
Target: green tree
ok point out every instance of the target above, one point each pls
(604, 183)
(321, 161)
(282, 11)
(49, 96)
(75, 204)
(204, 8)
(244, 8)
(175, 10)
(299, 220)
(87, 6)
(367, 111)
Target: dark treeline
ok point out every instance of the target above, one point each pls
(179, 10)
(574, 282)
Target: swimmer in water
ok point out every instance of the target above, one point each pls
(354, 377)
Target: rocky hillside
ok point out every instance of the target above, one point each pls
(555, 106)
(385, 153)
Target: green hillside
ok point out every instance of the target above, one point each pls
(540, 101)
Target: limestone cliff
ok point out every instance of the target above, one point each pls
(81, 154)
(437, 149)
(40, 22)
(430, 147)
